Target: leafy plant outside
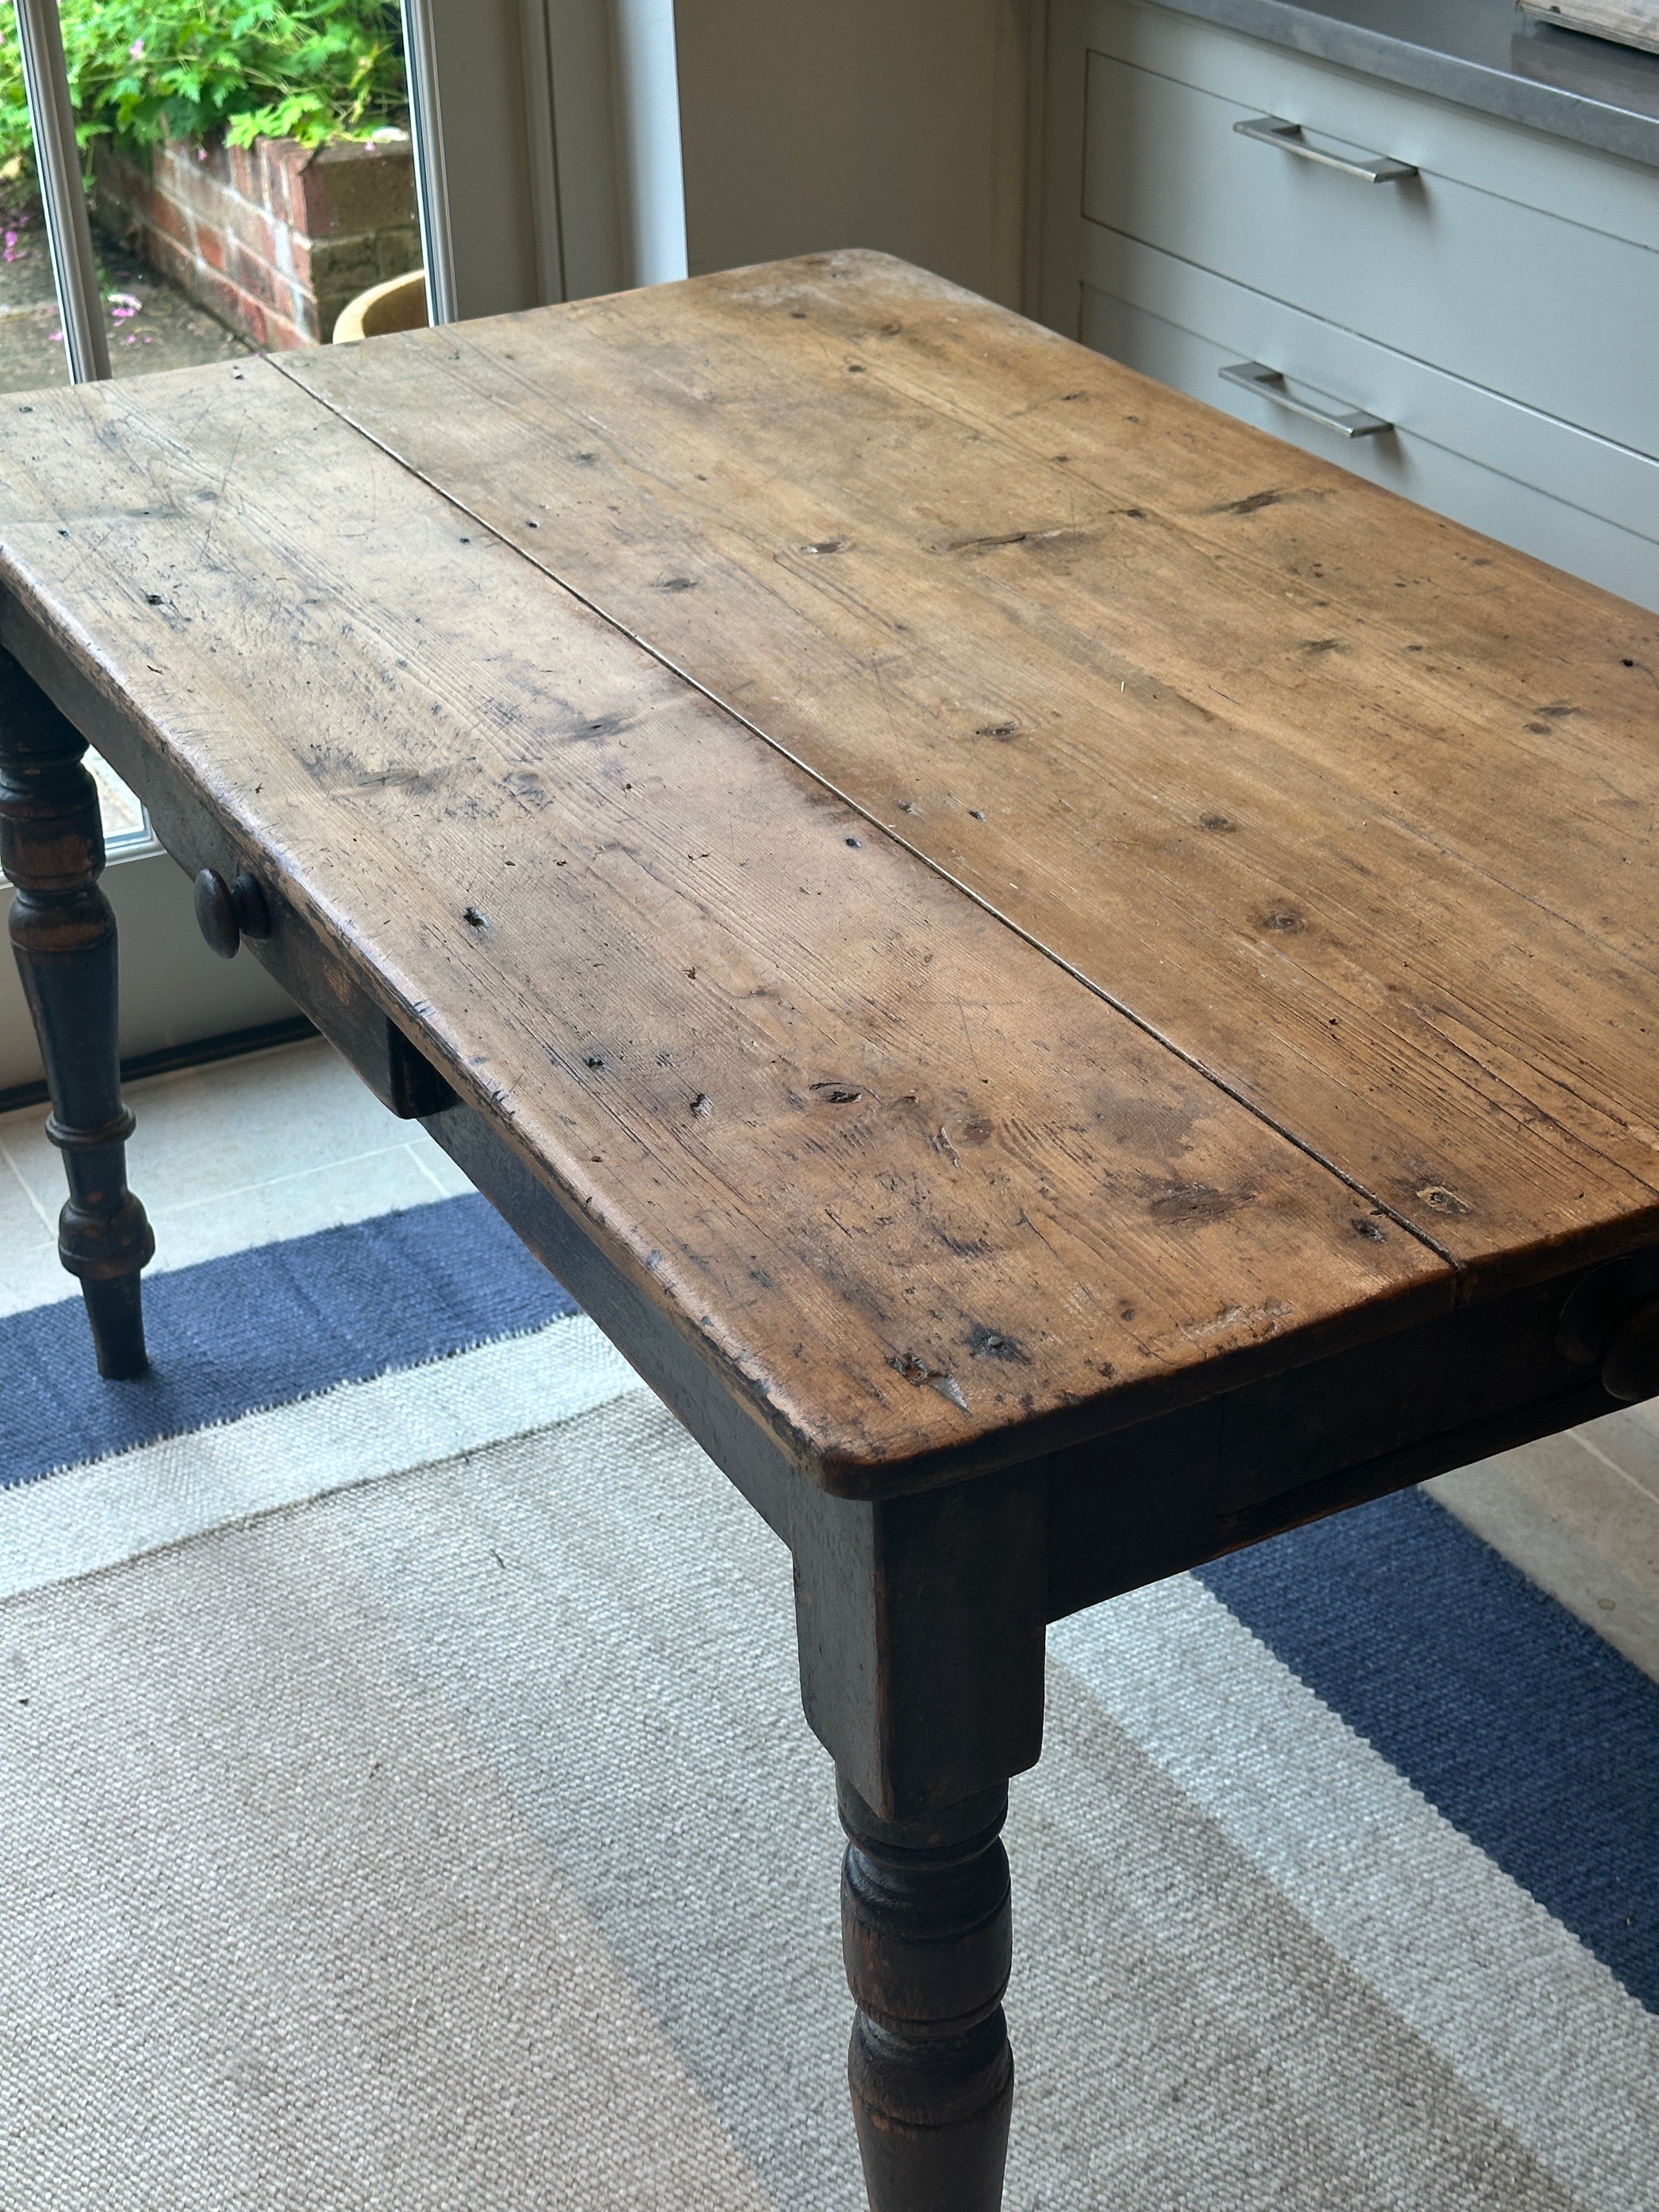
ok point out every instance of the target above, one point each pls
(241, 70)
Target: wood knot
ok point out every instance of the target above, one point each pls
(1199, 1202)
(1252, 503)
(1443, 1201)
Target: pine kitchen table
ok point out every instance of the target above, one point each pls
(1072, 987)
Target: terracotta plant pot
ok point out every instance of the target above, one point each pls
(400, 304)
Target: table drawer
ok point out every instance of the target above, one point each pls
(1601, 192)
(1431, 266)
(1570, 499)
(361, 1030)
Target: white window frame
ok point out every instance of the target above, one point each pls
(547, 147)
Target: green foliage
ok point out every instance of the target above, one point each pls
(196, 68)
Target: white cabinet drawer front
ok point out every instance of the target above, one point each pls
(1568, 464)
(1598, 191)
(1541, 310)
(1175, 323)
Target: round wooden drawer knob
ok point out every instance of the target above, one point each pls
(1611, 1322)
(1630, 1362)
(227, 913)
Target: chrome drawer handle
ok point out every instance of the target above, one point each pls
(1275, 130)
(1270, 383)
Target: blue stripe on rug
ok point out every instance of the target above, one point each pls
(1527, 1731)
(270, 1325)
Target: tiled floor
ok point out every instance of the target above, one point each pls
(1580, 1513)
(273, 1145)
(151, 323)
(290, 1141)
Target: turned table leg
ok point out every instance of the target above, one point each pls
(925, 1932)
(62, 932)
(920, 1623)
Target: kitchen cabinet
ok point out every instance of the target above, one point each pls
(1463, 306)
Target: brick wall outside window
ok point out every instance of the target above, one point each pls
(274, 237)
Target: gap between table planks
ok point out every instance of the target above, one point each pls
(913, 1190)
(1350, 806)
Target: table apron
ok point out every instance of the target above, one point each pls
(1172, 1492)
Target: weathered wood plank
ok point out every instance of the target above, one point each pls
(917, 1196)
(1354, 808)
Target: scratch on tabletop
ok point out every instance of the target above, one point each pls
(968, 1039)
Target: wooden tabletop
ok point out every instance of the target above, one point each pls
(998, 895)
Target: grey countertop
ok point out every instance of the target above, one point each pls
(1480, 53)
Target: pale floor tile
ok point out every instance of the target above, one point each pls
(210, 1132)
(277, 1145)
(293, 1205)
(1579, 1515)
(29, 1254)
(1632, 1440)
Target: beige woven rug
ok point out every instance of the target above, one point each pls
(454, 1840)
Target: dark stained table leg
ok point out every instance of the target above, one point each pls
(925, 1932)
(920, 1622)
(62, 932)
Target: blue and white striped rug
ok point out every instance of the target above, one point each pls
(405, 1801)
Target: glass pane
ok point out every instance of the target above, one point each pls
(249, 174)
(125, 821)
(126, 825)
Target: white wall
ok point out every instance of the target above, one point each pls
(801, 124)
(174, 990)
(895, 123)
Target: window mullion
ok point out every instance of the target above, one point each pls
(58, 165)
(431, 173)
